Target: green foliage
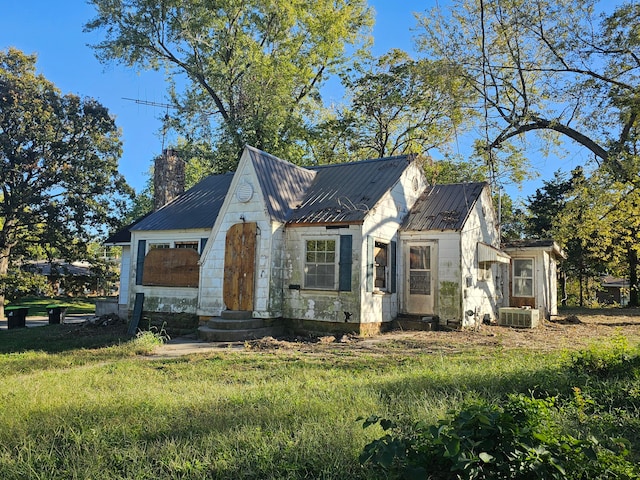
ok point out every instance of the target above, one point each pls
(547, 67)
(482, 441)
(239, 72)
(146, 341)
(78, 402)
(452, 170)
(606, 359)
(17, 284)
(58, 165)
(397, 106)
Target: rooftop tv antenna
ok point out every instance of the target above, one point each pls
(150, 103)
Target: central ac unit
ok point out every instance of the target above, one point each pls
(519, 317)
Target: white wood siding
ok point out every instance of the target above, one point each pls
(382, 224)
(480, 296)
(125, 271)
(320, 305)
(212, 264)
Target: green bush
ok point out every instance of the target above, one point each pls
(18, 284)
(518, 441)
(607, 359)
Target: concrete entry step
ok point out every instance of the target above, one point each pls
(236, 314)
(220, 323)
(209, 334)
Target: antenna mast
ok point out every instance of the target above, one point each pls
(150, 103)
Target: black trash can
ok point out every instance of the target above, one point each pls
(16, 316)
(56, 313)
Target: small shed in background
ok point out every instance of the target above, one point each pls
(533, 279)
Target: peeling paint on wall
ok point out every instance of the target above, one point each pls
(169, 304)
(449, 300)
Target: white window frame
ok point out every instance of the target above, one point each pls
(519, 281)
(334, 263)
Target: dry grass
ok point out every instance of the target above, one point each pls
(574, 329)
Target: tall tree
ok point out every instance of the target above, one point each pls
(59, 180)
(241, 71)
(549, 66)
(547, 204)
(397, 105)
(546, 66)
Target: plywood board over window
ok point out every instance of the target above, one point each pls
(171, 267)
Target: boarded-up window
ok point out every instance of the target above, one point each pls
(171, 267)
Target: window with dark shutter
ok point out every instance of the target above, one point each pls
(345, 263)
(142, 251)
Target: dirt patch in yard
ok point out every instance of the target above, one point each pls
(572, 330)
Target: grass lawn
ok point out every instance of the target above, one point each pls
(80, 402)
(38, 305)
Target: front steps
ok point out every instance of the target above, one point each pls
(416, 322)
(238, 326)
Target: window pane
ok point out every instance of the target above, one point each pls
(192, 245)
(523, 287)
(380, 253)
(523, 277)
(420, 283)
(420, 258)
(320, 264)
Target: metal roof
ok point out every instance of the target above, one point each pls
(346, 192)
(123, 236)
(336, 193)
(58, 267)
(196, 208)
(545, 244)
(443, 207)
(283, 184)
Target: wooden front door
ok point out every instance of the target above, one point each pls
(239, 266)
(419, 277)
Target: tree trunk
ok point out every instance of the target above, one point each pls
(633, 278)
(581, 279)
(563, 283)
(4, 268)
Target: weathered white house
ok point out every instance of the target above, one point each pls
(346, 247)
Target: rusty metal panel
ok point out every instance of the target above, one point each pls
(239, 266)
(171, 267)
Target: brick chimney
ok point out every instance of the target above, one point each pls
(168, 178)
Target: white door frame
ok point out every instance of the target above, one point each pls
(420, 259)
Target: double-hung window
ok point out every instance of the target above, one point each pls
(320, 264)
(523, 277)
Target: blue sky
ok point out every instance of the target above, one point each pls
(54, 31)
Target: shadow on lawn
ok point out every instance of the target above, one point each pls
(61, 338)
